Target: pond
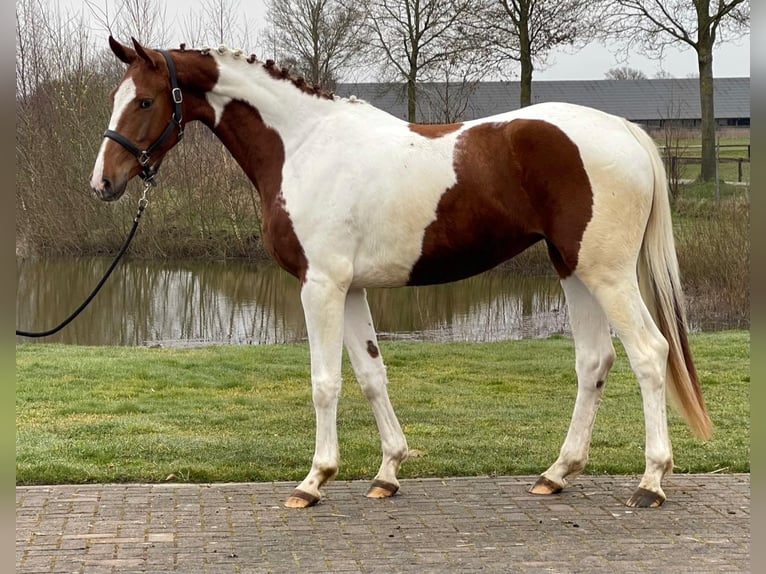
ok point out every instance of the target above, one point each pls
(188, 303)
(192, 302)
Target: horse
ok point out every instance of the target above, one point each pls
(355, 198)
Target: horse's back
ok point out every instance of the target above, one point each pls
(601, 138)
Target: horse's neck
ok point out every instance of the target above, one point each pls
(257, 148)
(281, 105)
(260, 119)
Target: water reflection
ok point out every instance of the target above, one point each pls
(193, 302)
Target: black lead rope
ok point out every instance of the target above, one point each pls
(142, 203)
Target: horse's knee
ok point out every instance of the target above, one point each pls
(325, 391)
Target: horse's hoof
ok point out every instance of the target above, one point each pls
(381, 489)
(545, 486)
(644, 498)
(300, 499)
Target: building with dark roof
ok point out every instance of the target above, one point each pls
(650, 102)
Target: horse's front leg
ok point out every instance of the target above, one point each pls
(362, 346)
(323, 301)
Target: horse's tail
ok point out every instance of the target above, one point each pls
(660, 285)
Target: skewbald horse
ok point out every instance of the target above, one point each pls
(353, 197)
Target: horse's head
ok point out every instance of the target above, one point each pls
(145, 122)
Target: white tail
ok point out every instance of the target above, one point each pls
(660, 285)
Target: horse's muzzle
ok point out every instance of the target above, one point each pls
(107, 190)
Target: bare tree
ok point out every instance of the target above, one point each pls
(143, 19)
(31, 65)
(321, 37)
(674, 148)
(525, 31)
(447, 101)
(56, 86)
(62, 107)
(653, 25)
(192, 30)
(418, 39)
(218, 22)
(624, 73)
(663, 75)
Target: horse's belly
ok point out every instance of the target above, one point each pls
(467, 260)
(388, 258)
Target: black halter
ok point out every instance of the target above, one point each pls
(149, 171)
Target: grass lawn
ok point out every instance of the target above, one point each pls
(244, 413)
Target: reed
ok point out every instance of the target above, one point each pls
(713, 246)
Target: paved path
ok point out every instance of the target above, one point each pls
(487, 524)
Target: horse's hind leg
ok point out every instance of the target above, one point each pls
(647, 352)
(594, 357)
(362, 346)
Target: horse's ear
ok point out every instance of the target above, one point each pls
(123, 53)
(145, 54)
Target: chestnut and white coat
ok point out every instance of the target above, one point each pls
(353, 198)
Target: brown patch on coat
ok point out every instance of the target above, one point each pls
(372, 350)
(433, 131)
(261, 154)
(257, 148)
(518, 182)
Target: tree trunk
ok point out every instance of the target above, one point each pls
(525, 57)
(705, 41)
(411, 96)
(525, 87)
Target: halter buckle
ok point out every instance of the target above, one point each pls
(147, 175)
(177, 95)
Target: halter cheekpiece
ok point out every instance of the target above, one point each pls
(143, 156)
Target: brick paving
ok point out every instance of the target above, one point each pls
(484, 524)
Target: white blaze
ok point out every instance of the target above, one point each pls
(125, 94)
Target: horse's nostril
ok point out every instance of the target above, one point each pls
(109, 189)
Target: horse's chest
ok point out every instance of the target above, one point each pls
(373, 213)
(280, 239)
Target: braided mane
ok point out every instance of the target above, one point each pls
(299, 82)
(276, 72)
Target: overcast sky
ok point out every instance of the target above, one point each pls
(590, 63)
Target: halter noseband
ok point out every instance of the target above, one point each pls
(149, 171)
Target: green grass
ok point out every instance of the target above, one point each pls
(701, 194)
(242, 413)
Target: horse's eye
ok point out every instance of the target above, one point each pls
(146, 103)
